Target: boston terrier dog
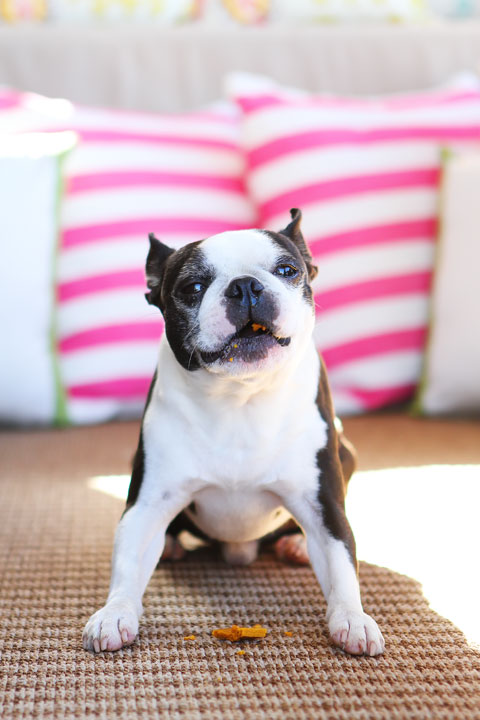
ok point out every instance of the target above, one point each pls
(239, 434)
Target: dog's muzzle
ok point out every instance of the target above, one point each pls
(252, 342)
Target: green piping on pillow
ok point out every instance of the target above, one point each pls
(60, 412)
(417, 405)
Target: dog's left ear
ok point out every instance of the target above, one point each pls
(155, 270)
(293, 232)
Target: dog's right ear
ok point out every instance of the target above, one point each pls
(155, 270)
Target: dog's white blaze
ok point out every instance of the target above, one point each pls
(233, 253)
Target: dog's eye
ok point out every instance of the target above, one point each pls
(194, 288)
(286, 271)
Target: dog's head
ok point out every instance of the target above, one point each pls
(235, 303)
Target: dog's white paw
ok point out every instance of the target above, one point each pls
(355, 632)
(112, 627)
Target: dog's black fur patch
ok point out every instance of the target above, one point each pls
(170, 269)
(332, 482)
(155, 268)
(138, 468)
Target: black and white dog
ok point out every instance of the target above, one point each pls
(239, 433)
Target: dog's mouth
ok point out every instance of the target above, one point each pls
(256, 330)
(252, 342)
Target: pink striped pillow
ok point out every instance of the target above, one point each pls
(365, 173)
(178, 176)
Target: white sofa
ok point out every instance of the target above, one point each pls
(174, 69)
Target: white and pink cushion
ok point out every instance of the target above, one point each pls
(451, 373)
(30, 192)
(365, 174)
(180, 177)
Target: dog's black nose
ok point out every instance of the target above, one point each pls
(245, 289)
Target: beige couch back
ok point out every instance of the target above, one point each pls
(147, 68)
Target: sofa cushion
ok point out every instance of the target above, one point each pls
(179, 176)
(366, 175)
(30, 190)
(451, 373)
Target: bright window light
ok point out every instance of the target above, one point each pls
(423, 522)
(115, 485)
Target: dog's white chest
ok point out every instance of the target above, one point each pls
(240, 471)
(248, 467)
(242, 455)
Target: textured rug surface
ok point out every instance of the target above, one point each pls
(56, 531)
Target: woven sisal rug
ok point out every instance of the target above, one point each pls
(56, 531)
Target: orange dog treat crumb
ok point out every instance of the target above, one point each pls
(235, 633)
(256, 326)
(287, 632)
(189, 637)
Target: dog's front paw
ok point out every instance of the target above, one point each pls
(355, 632)
(112, 627)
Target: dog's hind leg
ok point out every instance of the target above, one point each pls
(241, 553)
(288, 543)
(348, 457)
(346, 452)
(291, 547)
(173, 549)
